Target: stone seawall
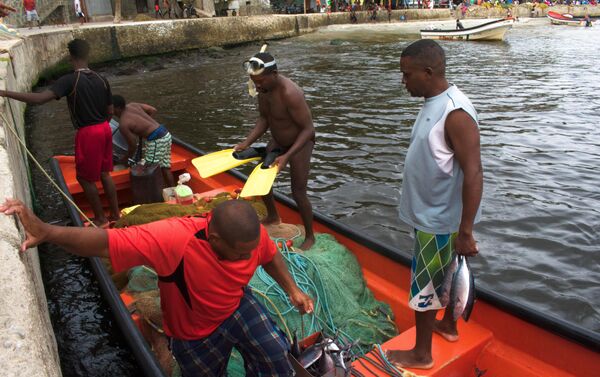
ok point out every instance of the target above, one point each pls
(27, 344)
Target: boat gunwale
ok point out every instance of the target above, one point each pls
(148, 362)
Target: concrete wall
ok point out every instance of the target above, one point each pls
(27, 345)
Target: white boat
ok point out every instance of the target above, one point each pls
(489, 31)
(567, 19)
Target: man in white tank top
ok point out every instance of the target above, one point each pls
(441, 193)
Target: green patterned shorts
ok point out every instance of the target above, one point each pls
(158, 151)
(432, 256)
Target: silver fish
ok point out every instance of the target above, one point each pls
(311, 355)
(462, 295)
(447, 283)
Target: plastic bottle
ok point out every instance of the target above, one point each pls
(184, 193)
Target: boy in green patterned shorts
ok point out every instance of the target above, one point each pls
(135, 121)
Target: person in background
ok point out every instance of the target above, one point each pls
(167, 7)
(157, 11)
(204, 265)
(441, 193)
(459, 25)
(89, 100)
(79, 11)
(6, 10)
(31, 13)
(136, 121)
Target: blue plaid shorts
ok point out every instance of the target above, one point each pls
(251, 331)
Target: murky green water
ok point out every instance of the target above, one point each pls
(537, 96)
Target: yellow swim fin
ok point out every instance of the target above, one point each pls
(261, 179)
(218, 162)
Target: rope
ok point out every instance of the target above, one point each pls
(298, 266)
(10, 127)
(287, 330)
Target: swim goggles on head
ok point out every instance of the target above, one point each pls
(255, 66)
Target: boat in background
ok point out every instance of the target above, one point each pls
(489, 31)
(502, 338)
(567, 19)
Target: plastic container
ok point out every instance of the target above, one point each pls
(168, 194)
(146, 183)
(184, 193)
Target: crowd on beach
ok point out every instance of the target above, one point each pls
(181, 9)
(375, 6)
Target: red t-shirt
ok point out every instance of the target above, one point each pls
(29, 4)
(198, 291)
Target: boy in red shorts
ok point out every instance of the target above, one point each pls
(90, 105)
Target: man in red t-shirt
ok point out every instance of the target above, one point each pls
(204, 265)
(31, 13)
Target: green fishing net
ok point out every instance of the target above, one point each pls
(344, 306)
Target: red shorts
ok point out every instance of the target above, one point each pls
(93, 151)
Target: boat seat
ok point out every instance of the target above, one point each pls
(450, 359)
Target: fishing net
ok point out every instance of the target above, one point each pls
(344, 307)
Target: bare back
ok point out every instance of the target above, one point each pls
(286, 111)
(137, 121)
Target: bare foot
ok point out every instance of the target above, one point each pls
(271, 220)
(448, 332)
(408, 359)
(308, 243)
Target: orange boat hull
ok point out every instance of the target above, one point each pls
(495, 341)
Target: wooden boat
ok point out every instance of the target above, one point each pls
(489, 31)
(566, 19)
(503, 337)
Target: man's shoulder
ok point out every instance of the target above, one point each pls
(291, 90)
(458, 95)
(186, 224)
(133, 107)
(69, 76)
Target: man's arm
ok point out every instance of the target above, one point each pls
(32, 98)
(301, 116)
(259, 129)
(86, 242)
(462, 135)
(279, 272)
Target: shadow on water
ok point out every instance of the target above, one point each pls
(536, 97)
